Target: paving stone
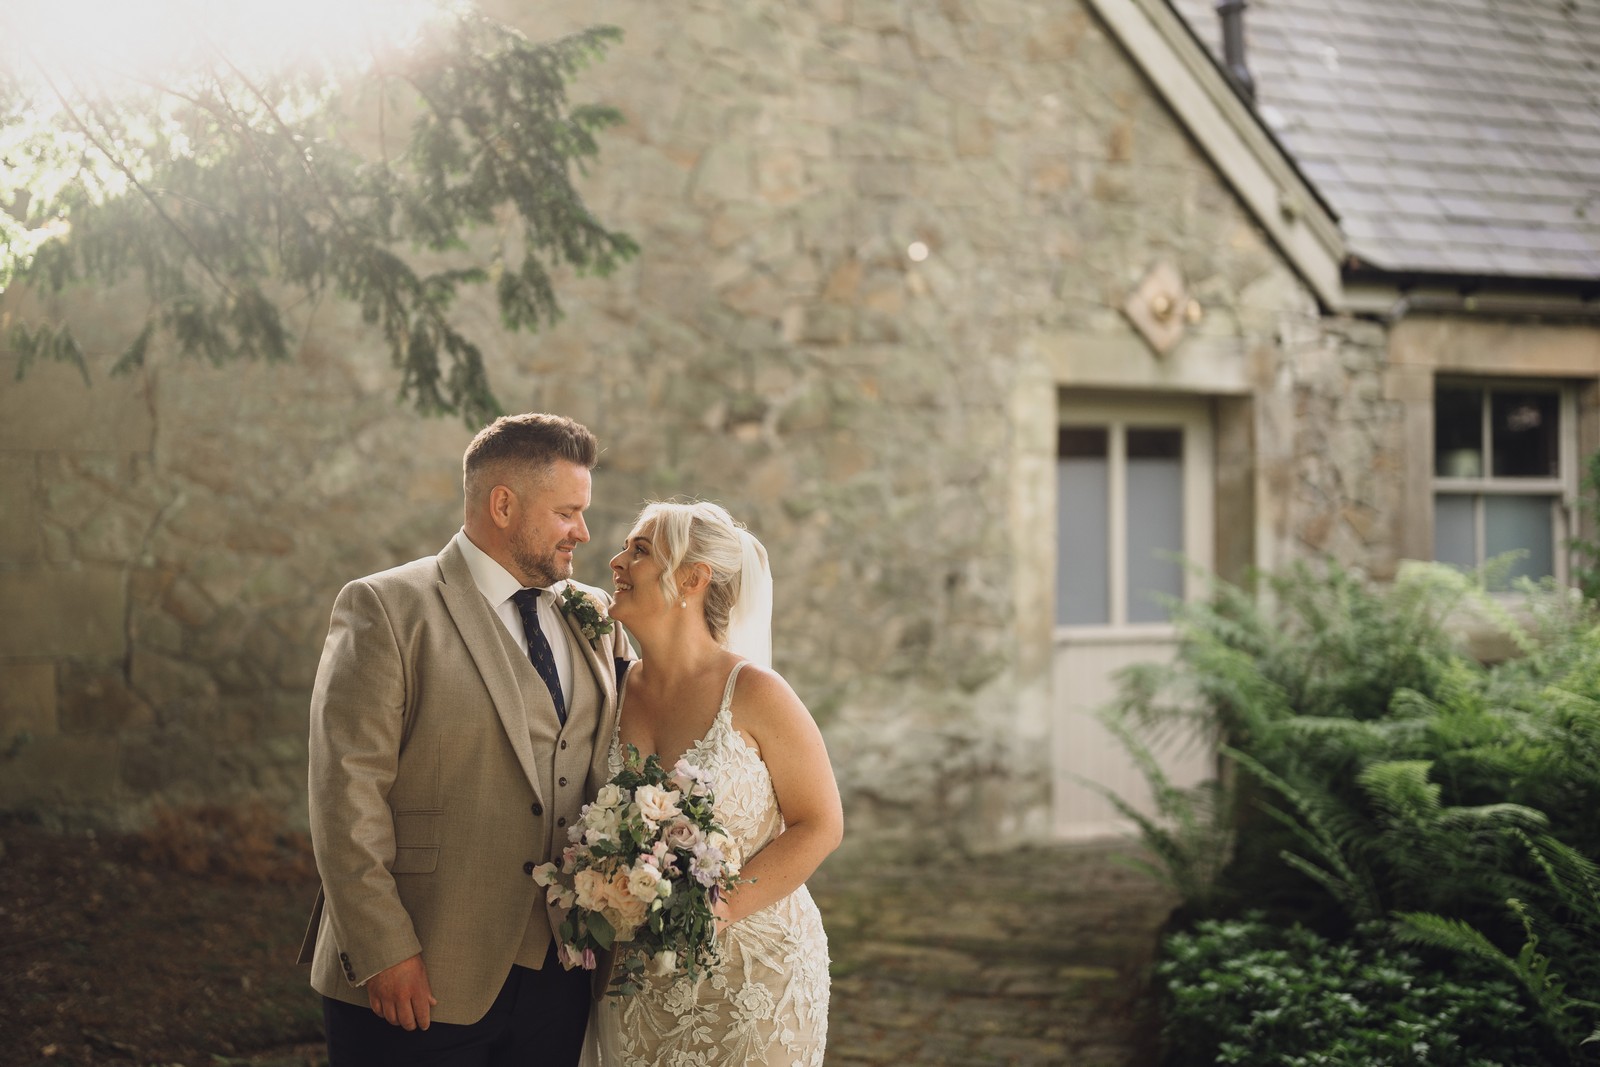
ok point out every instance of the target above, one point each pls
(1033, 957)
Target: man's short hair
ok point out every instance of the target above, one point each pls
(531, 442)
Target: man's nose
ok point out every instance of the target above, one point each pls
(581, 534)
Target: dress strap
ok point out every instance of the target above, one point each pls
(727, 693)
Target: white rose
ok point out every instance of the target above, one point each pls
(657, 805)
(590, 889)
(664, 962)
(644, 882)
(610, 796)
(601, 824)
(730, 851)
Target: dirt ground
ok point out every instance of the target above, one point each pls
(114, 950)
(176, 949)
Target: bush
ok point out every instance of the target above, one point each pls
(1376, 773)
(1249, 993)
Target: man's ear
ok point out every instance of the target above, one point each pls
(502, 505)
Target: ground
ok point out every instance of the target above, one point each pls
(111, 952)
(177, 948)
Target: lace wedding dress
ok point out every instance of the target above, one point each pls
(767, 1003)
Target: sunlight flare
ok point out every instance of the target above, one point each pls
(97, 41)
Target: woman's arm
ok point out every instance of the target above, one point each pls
(766, 710)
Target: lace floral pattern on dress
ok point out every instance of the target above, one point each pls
(767, 1003)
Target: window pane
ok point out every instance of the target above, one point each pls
(1454, 534)
(1524, 434)
(1527, 522)
(1083, 554)
(1458, 433)
(1155, 522)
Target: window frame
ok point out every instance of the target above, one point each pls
(1562, 489)
(1193, 417)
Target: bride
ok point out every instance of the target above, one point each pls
(694, 589)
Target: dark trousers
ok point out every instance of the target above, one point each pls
(537, 1021)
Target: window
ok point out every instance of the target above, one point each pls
(1503, 470)
(1132, 503)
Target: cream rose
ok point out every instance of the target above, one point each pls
(657, 805)
(644, 882)
(730, 851)
(592, 889)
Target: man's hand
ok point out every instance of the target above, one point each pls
(401, 995)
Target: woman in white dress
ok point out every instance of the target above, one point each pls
(694, 589)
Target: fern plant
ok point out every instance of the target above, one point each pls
(1379, 772)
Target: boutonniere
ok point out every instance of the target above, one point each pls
(593, 622)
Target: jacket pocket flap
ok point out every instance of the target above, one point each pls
(415, 859)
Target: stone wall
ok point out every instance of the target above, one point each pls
(171, 543)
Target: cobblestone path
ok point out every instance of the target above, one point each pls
(1025, 959)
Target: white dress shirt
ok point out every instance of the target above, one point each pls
(497, 586)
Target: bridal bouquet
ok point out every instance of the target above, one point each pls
(647, 863)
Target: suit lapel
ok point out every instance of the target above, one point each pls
(605, 675)
(605, 679)
(479, 630)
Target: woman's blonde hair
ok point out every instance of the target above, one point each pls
(700, 532)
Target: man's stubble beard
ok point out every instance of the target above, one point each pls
(540, 569)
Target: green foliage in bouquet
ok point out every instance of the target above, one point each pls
(647, 864)
(1374, 772)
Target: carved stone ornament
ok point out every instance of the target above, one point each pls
(1160, 309)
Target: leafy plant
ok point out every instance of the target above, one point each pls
(232, 194)
(1586, 549)
(1379, 774)
(1249, 993)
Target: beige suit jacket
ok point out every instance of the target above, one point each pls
(439, 776)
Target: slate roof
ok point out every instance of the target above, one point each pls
(1456, 137)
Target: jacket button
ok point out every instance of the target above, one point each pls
(527, 868)
(563, 744)
(563, 781)
(344, 957)
(561, 821)
(538, 809)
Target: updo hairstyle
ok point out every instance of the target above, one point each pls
(700, 532)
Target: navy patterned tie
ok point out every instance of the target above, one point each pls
(539, 653)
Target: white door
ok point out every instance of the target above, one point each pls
(1134, 484)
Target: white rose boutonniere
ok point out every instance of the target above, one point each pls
(593, 622)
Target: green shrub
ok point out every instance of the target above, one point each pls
(1374, 772)
(1249, 993)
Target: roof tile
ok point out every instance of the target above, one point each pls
(1448, 135)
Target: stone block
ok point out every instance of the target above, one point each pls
(62, 612)
(60, 773)
(164, 680)
(52, 409)
(27, 701)
(20, 540)
(98, 701)
(725, 173)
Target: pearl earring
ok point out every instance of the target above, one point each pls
(683, 603)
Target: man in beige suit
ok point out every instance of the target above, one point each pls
(459, 722)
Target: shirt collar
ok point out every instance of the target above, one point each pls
(495, 582)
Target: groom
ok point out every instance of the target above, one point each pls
(459, 721)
